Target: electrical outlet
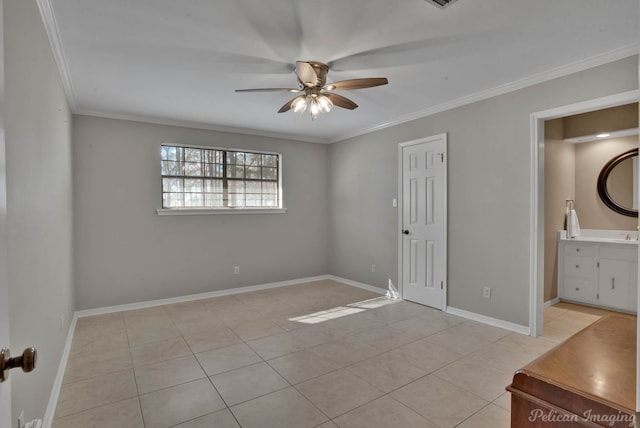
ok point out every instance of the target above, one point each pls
(394, 203)
(21, 420)
(373, 267)
(487, 292)
(236, 270)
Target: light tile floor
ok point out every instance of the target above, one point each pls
(319, 354)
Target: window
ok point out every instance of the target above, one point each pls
(215, 178)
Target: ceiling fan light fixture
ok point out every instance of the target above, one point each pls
(324, 103)
(314, 109)
(300, 104)
(317, 99)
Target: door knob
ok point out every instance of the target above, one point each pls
(27, 361)
(406, 231)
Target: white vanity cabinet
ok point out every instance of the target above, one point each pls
(599, 272)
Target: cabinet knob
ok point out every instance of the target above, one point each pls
(577, 288)
(578, 249)
(577, 266)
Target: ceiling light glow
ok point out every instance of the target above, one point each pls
(314, 103)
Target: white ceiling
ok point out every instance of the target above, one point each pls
(179, 61)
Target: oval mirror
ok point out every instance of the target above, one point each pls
(616, 183)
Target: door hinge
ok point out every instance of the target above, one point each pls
(441, 157)
(598, 264)
(598, 296)
(441, 285)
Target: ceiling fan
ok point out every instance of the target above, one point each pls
(317, 96)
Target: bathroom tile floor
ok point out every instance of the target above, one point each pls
(320, 354)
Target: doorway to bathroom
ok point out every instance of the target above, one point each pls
(550, 122)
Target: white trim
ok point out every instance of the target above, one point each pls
(536, 226)
(225, 292)
(358, 284)
(51, 27)
(443, 136)
(219, 148)
(517, 328)
(575, 67)
(191, 297)
(210, 211)
(536, 223)
(589, 105)
(57, 383)
(551, 302)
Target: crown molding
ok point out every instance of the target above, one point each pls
(51, 27)
(203, 126)
(565, 70)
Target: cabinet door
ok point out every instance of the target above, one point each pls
(614, 283)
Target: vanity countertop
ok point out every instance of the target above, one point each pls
(602, 236)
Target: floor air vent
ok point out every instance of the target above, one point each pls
(441, 3)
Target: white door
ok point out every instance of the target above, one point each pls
(423, 220)
(5, 387)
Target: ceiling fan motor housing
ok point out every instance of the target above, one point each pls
(441, 3)
(321, 71)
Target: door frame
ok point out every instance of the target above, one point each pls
(402, 145)
(536, 238)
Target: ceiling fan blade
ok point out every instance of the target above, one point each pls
(345, 85)
(289, 104)
(292, 90)
(340, 101)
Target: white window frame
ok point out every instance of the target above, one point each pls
(226, 210)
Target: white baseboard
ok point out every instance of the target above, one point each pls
(362, 285)
(47, 421)
(226, 292)
(191, 297)
(517, 328)
(551, 302)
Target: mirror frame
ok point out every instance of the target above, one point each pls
(602, 184)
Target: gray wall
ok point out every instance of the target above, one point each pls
(125, 252)
(39, 203)
(489, 192)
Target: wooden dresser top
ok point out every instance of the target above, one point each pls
(598, 362)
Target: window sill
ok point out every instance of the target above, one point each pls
(210, 211)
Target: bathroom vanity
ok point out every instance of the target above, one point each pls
(599, 268)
